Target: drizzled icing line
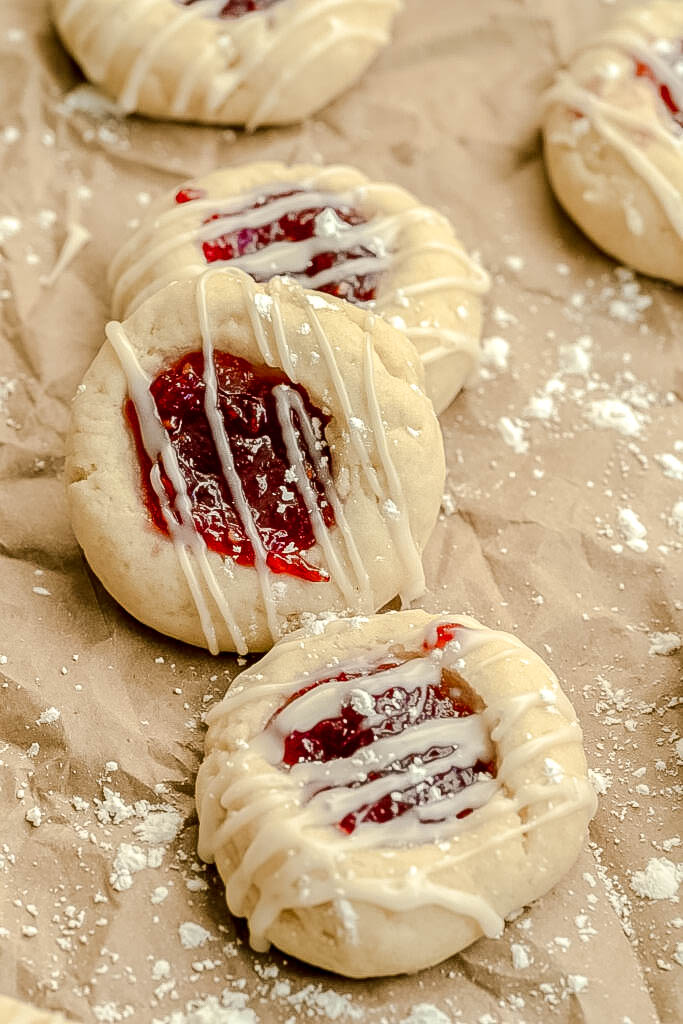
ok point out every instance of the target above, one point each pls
(380, 234)
(292, 858)
(624, 128)
(179, 521)
(338, 546)
(239, 46)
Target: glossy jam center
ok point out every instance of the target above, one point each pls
(390, 714)
(297, 226)
(645, 71)
(238, 8)
(247, 405)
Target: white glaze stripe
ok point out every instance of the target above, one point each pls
(326, 701)
(184, 533)
(288, 401)
(379, 235)
(224, 451)
(379, 231)
(397, 515)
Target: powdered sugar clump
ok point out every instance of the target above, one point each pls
(228, 1008)
(512, 432)
(192, 935)
(671, 465)
(664, 643)
(128, 861)
(614, 414)
(161, 825)
(426, 1013)
(632, 530)
(494, 353)
(659, 880)
(49, 716)
(576, 359)
(333, 1005)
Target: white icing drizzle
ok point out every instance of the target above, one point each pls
(287, 400)
(238, 46)
(339, 34)
(397, 513)
(293, 855)
(338, 546)
(380, 235)
(224, 452)
(626, 128)
(448, 341)
(181, 526)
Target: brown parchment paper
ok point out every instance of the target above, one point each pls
(105, 912)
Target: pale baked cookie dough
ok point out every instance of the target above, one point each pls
(241, 62)
(13, 1012)
(325, 463)
(613, 129)
(359, 827)
(372, 243)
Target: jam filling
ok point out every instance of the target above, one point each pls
(247, 405)
(238, 8)
(645, 71)
(298, 226)
(392, 711)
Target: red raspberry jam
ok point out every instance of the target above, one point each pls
(393, 711)
(188, 195)
(247, 404)
(645, 71)
(292, 227)
(238, 8)
(445, 632)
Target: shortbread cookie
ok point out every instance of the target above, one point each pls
(13, 1012)
(244, 454)
(614, 139)
(331, 229)
(379, 792)
(241, 62)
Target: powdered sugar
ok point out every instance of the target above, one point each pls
(671, 465)
(632, 530)
(49, 717)
(614, 414)
(193, 935)
(228, 1008)
(512, 432)
(664, 643)
(494, 353)
(128, 861)
(426, 1013)
(659, 880)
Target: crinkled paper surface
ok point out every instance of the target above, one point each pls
(100, 727)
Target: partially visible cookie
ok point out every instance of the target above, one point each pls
(380, 792)
(613, 131)
(330, 228)
(13, 1012)
(244, 455)
(241, 62)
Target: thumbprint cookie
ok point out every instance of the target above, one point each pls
(379, 792)
(243, 454)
